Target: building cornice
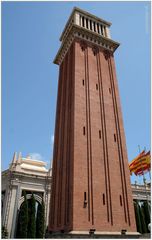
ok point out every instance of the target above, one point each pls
(27, 175)
(75, 31)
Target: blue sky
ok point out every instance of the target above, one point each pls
(30, 40)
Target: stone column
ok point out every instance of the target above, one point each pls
(77, 18)
(100, 29)
(47, 204)
(14, 220)
(11, 206)
(104, 32)
(92, 26)
(5, 205)
(80, 20)
(108, 32)
(96, 27)
(88, 24)
(84, 22)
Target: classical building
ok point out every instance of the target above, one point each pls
(91, 188)
(141, 192)
(23, 174)
(32, 176)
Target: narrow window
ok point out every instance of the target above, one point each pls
(120, 200)
(94, 26)
(85, 200)
(101, 29)
(110, 90)
(100, 134)
(98, 27)
(87, 22)
(82, 21)
(85, 196)
(90, 25)
(83, 130)
(115, 137)
(103, 196)
(96, 86)
(83, 82)
(94, 52)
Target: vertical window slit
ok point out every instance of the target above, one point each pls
(83, 82)
(103, 196)
(83, 130)
(100, 134)
(82, 48)
(115, 137)
(85, 200)
(120, 200)
(96, 86)
(85, 196)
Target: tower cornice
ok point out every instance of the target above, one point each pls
(77, 32)
(88, 27)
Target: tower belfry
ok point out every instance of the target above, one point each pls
(91, 183)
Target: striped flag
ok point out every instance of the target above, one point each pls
(140, 164)
(135, 161)
(144, 165)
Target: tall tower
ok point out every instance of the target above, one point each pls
(91, 184)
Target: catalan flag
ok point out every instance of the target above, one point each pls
(144, 165)
(140, 164)
(135, 161)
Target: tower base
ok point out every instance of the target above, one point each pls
(99, 235)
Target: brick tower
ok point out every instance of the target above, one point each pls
(91, 183)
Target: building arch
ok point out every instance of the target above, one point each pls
(28, 196)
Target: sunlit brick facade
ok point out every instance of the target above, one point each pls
(91, 183)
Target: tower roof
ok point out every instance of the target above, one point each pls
(91, 16)
(88, 27)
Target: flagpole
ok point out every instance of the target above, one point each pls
(139, 153)
(144, 180)
(141, 164)
(149, 174)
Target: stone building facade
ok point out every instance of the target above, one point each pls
(32, 176)
(141, 192)
(23, 174)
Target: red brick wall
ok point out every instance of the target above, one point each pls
(62, 180)
(90, 151)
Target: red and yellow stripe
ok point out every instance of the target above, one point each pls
(140, 164)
